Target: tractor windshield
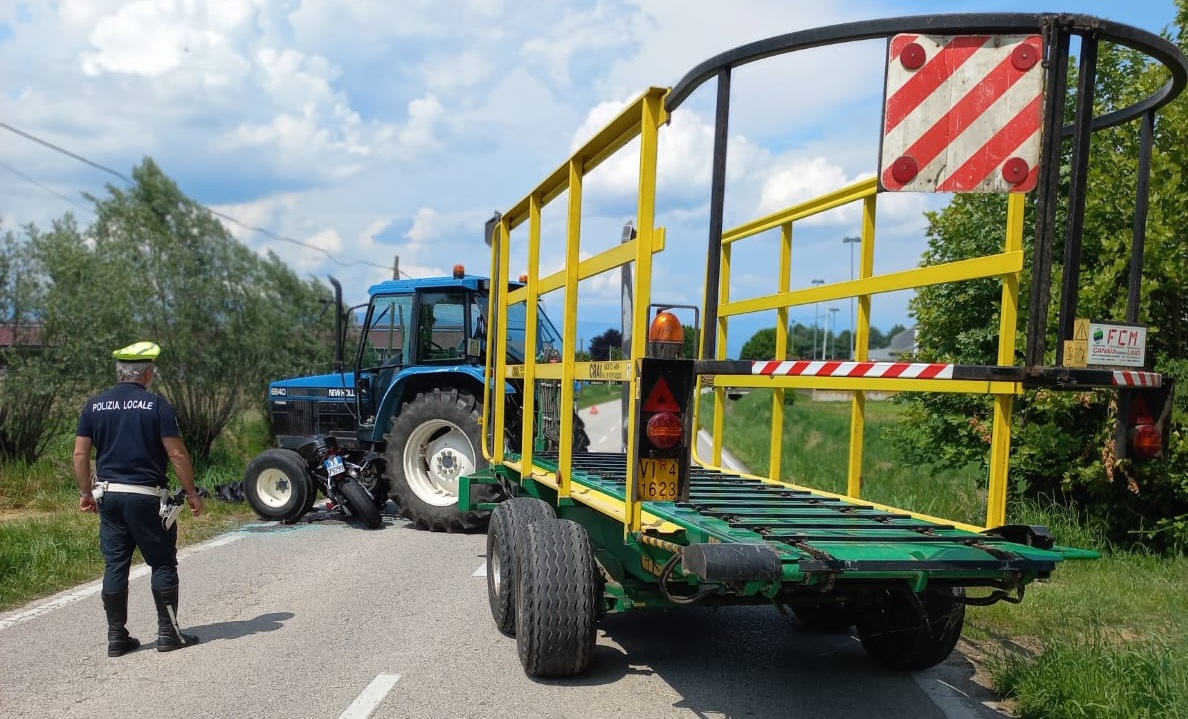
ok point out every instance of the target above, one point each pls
(548, 339)
(387, 335)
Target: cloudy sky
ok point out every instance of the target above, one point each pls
(359, 130)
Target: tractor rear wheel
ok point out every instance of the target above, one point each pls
(558, 590)
(505, 539)
(434, 440)
(913, 631)
(277, 485)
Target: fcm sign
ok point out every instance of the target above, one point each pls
(1117, 345)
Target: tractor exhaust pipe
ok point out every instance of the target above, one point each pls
(338, 338)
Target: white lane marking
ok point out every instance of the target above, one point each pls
(88, 590)
(216, 542)
(481, 571)
(371, 697)
(952, 702)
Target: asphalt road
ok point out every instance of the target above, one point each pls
(327, 619)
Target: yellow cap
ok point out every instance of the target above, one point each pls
(139, 352)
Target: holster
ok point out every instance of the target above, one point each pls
(171, 506)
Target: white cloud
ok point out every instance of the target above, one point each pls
(369, 129)
(798, 180)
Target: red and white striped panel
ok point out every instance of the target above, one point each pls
(1131, 378)
(833, 368)
(963, 113)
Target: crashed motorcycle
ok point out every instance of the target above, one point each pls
(283, 484)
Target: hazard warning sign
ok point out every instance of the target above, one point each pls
(661, 399)
(962, 113)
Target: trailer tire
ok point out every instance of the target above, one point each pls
(277, 485)
(434, 440)
(913, 631)
(558, 590)
(360, 503)
(505, 539)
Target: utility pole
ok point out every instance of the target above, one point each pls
(833, 314)
(396, 267)
(816, 308)
(851, 241)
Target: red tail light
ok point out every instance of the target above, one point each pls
(1146, 441)
(665, 430)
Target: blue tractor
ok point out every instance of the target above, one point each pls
(403, 420)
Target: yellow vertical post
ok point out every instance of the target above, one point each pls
(1000, 442)
(646, 234)
(861, 349)
(531, 336)
(497, 343)
(720, 392)
(775, 459)
(569, 339)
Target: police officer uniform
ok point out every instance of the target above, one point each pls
(134, 433)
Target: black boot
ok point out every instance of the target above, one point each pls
(169, 634)
(118, 641)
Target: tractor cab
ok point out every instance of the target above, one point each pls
(412, 334)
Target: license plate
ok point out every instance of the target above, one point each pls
(334, 466)
(658, 479)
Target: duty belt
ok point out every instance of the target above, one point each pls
(158, 492)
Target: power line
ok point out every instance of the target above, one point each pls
(47, 188)
(66, 152)
(128, 180)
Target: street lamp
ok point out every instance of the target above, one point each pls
(851, 241)
(816, 307)
(833, 312)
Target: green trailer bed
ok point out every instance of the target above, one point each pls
(819, 536)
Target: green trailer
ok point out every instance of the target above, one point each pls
(580, 534)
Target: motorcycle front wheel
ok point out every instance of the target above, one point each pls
(360, 503)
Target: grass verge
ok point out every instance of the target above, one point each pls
(593, 393)
(1105, 638)
(47, 544)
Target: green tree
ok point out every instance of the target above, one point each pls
(761, 346)
(36, 384)
(804, 344)
(159, 266)
(607, 346)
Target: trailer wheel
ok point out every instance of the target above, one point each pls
(433, 441)
(505, 540)
(360, 503)
(913, 631)
(557, 595)
(277, 485)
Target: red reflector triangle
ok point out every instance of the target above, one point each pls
(1139, 414)
(661, 399)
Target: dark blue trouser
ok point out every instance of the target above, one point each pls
(128, 521)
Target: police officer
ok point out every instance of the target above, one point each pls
(135, 436)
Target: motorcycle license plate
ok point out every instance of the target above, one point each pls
(334, 466)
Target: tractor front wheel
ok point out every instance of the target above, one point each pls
(277, 485)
